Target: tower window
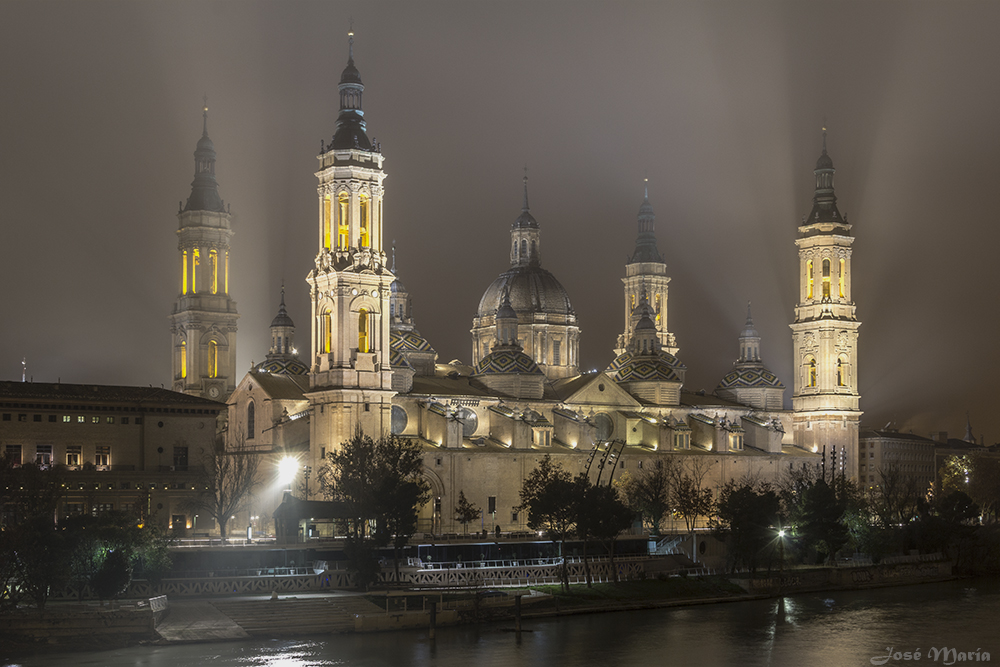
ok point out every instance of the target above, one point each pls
(184, 272)
(809, 279)
(251, 419)
(225, 286)
(364, 222)
(184, 360)
(363, 330)
(524, 248)
(195, 263)
(343, 222)
(841, 373)
(826, 278)
(213, 262)
(213, 359)
(326, 329)
(327, 212)
(657, 310)
(555, 352)
(840, 277)
(811, 373)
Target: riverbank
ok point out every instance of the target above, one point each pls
(233, 619)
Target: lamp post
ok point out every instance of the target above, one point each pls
(781, 550)
(306, 470)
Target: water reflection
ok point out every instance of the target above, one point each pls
(843, 628)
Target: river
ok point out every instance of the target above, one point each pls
(844, 628)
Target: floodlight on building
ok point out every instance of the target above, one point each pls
(287, 468)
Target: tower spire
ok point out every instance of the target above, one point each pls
(525, 207)
(204, 187)
(824, 198)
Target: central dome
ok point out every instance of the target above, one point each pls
(532, 290)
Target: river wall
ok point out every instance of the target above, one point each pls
(799, 581)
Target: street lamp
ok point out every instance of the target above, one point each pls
(306, 470)
(781, 550)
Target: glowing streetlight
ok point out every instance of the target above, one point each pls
(287, 468)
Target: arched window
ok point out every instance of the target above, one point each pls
(363, 330)
(524, 248)
(184, 272)
(811, 373)
(327, 222)
(809, 279)
(840, 277)
(213, 359)
(251, 419)
(841, 373)
(826, 278)
(343, 221)
(514, 250)
(195, 263)
(184, 359)
(213, 264)
(326, 330)
(657, 308)
(226, 283)
(364, 222)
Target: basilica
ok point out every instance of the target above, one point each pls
(485, 425)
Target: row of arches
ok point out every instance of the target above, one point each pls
(191, 262)
(826, 285)
(364, 319)
(212, 362)
(811, 372)
(337, 221)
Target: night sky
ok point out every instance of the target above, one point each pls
(720, 105)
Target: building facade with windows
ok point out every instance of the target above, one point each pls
(117, 448)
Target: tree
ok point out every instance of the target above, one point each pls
(549, 496)
(818, 520)
(690, 499)
(227, 482)
(603, 515)
(648, 492)
(748, 512)
(466, 512)
(380, 484)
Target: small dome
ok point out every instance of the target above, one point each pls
(282, 319)
(630, 367)
(751, 377)
(525, 220)
(398, 361)
(645, 324)
(531, 289)
(824, 161)
(351, 73)
(396, 287)
(205, 145)
(505, 362)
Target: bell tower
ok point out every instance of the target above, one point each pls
(646, 272)
(825, 400)
(350, 377)
(203, 323)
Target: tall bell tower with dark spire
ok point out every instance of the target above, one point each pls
(825, 400)
(646, 272)
(203, 323)
(350, 376)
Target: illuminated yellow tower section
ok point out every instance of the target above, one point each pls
(646, 273)
(825, 332)
(350, 377)
(203, 323)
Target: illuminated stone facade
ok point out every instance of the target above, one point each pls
(203, 323)
(825, 399)
(484, 426)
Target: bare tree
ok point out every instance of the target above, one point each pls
(690, 498)
(649, 491)
(227, 481)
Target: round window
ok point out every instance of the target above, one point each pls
(605, 427)
(470, 421)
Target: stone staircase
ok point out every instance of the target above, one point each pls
(296, 616)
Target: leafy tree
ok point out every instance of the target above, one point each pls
(549, 496)
(648, 492)
(380, 485)
(748, 512)
(227, 482)
(465, 512)
(113, 576)
(818, 520)
(603, 515)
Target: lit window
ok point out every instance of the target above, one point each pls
(840, 277)
(226, 286)
(73, 455)
(213, 359)
(809, 279)
(841, 374)
(196, 262)
(343, 222)
(364, 221)
(213, 263)
(325, 326)
(327, 212)
(80, 419)
(184, 272)
(811, 373)
(826, 278)
(67, 419)
(102, 458)
(363, 330)
(184, 360)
